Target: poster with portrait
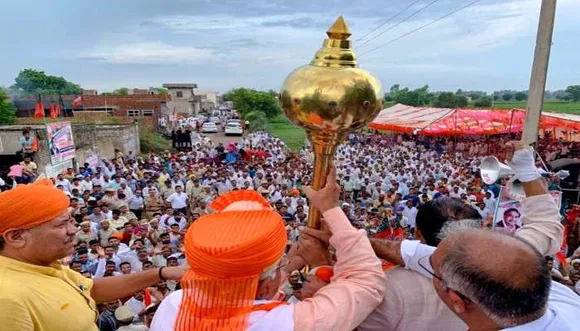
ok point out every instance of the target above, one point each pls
(60, 142)
(508, 216)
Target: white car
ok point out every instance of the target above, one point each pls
(209, 127)
(234, 129)
(215, 120)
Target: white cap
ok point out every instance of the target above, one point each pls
(124, 314)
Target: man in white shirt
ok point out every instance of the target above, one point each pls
(178, 200)
(60, 180)
(410, 212)
(471, 269)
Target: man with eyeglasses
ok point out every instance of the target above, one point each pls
(412, 303)
(491, 290)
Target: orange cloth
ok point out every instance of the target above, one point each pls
(324, 273)
(227, 252)
(27, 206)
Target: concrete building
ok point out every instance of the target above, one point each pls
(209, 100)
(92, 143)
(89, 92)
(145, 108)
(182, 100)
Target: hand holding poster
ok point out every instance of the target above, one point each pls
(60, 142)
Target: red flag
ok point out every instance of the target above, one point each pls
(39, 108)
(147, 298)
(53, 112)
(59, 105)
(78, 101)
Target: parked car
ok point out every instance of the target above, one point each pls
(209, 127)
(234, 129)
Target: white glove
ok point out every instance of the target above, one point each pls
(524, 166)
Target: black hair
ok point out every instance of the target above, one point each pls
(433, 214)
(82, 251)
(512, 209)
(70, 265)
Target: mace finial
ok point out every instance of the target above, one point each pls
(339, 30)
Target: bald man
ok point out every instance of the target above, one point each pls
(405, 307)
(491, 290)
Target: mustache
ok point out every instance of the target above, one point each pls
(69, 240)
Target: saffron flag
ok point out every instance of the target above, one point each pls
(59, 106)
(53, 113)
(39, 108)
(78, 101)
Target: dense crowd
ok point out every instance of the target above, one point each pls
(133, 212)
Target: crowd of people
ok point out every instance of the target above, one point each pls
(133, 214)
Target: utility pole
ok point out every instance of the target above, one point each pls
(539, 72)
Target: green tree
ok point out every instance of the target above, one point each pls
(7, 109)
(574, 92)
(495, 97)
(416, 97)
(31, 82)
(483, 102)
(520, 96)
(255, 115)
(121, 91)
(461, 101)
(560, 95)
(450, 100)
(249, 100)
(445, 100)
(507, 96)
(160, 90)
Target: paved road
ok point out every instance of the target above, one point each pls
(220, 137)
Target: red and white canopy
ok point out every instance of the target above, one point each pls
(448, 121)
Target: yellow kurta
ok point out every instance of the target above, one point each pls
(44, 298)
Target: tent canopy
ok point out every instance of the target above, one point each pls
(448, 121)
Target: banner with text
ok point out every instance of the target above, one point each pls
(60, 142)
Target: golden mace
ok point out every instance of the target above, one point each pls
(329, 98)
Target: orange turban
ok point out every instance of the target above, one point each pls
(227, 252)
(27, 206)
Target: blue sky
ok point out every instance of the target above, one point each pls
(222, 44)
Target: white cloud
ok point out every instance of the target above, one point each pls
(426, 67)
(476, 29)
(149, 53)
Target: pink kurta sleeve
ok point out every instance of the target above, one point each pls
(358, 285)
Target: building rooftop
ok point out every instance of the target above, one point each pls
(180, 85)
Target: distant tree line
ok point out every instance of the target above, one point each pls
(461, 99)
(257, 107)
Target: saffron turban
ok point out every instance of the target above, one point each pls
(227, 251)
(27, 206)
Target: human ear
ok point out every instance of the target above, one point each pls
(457, 302)
(14, 238)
